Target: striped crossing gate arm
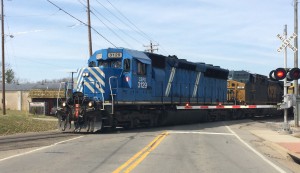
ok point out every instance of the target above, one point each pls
(229, 107)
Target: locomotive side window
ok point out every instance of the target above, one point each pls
(141, 68)
(92, 64)
(126, 65)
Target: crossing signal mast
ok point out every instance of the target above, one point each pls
(286, 74)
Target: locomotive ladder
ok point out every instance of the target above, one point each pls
(112, 94)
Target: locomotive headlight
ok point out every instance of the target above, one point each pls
(64, 104)
(90, 104)
(85, 74)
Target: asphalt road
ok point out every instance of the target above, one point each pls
(208, 147)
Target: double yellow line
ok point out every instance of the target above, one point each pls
(141, 155)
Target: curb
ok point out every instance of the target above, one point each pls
(284, 152)
(281, 150)
(295, 157)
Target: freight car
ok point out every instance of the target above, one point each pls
(128, 88)
(247, 88)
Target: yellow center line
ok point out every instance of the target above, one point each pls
(141, 155)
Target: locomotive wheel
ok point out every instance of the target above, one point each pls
(99, 126)
(91, 124)
(65, 123)
(77, 125)
(114, 124)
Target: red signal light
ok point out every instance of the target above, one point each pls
(278, 74)
(293, 74)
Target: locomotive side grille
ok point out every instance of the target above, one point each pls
(196, 84)
(94, 81)
(172, 74)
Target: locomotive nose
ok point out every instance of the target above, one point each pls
(90, 81)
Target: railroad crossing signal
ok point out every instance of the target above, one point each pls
(278, 74)
(293, 74)
(286, 42)
(281, 73)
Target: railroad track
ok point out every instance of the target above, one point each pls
(22, 141)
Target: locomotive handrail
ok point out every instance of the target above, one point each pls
(102, 95)
(58, 94)
(111, 93)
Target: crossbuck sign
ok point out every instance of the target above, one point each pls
(286, 42)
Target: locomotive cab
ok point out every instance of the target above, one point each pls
(114, 72)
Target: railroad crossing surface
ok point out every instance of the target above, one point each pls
(229, 146)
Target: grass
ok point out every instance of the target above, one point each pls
(21, 122)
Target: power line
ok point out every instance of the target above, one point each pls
(38, 15)
(12, 48)
(82, 22)
(106, 25)
(116, 26)
(143, 33)
(111, 30)
(122, 21)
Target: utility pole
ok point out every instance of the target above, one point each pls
(3, 63)
(89, 28)
(72, 73)
(150, 47)
(296, 87)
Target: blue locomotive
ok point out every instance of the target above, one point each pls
(129, 88)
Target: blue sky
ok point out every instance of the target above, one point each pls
(233, 34)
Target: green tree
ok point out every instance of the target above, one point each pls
(9, 76)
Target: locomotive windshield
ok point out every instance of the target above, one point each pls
(112, 63)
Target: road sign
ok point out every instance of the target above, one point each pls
(286, 42)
